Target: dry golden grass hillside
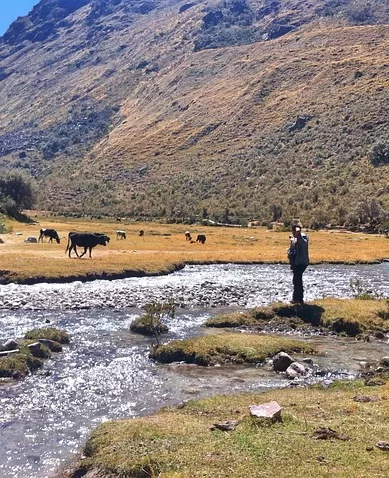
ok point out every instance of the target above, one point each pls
(187, 110)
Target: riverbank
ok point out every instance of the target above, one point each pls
(219, 437)
(163, 249)
(366, 318)
(338, 430)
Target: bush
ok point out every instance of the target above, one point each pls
(150, 323)
(17, 192)
(379, 154)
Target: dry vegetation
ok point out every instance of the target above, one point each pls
(129, 119)
(164, 248)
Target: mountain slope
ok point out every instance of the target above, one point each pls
(187, 110)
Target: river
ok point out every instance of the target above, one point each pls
(105, 372)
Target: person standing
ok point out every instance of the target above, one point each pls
(299, 260)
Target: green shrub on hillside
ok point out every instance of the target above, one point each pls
(379, 154)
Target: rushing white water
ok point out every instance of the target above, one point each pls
(105, 373)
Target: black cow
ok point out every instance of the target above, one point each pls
(87, 240)
(201, 238)
(51, 233)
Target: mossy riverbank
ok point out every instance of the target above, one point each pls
(227, 348)
(352, 317)
(336, 431)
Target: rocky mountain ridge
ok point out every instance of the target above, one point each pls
(227, 110)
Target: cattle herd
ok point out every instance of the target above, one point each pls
(89, 240)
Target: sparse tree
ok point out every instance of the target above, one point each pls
(17, 191)
(151, 322)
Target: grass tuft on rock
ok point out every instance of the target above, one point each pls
(227, 348)
(180, 442)
(49, 333)
(19, 364)
(142, 326)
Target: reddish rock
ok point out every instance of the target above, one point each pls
(269, 410)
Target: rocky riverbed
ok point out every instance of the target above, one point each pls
(209, 286)
(105, 373)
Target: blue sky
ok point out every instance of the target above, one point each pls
(10, 10)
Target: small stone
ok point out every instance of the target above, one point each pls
(365, 399)
(34, 348)
(226, 426)
(295, 370)
(382, 445)
(384, 361)
(374, 382)
(324, 433)
(307, 360)
(51, 344)
(269, 410)
(379, 335)
(10, 344)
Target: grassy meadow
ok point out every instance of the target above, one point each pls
(163, 248)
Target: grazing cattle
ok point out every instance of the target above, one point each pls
(87, 240)
(141, 233)
(201, 238)
(50, 233)
(120, 234)
(188, 237)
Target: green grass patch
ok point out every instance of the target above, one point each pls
(20, 364)
(239, 319)
(226, 348)
(142, 325)
(348, 316)
(180, 443)
(49, 333)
